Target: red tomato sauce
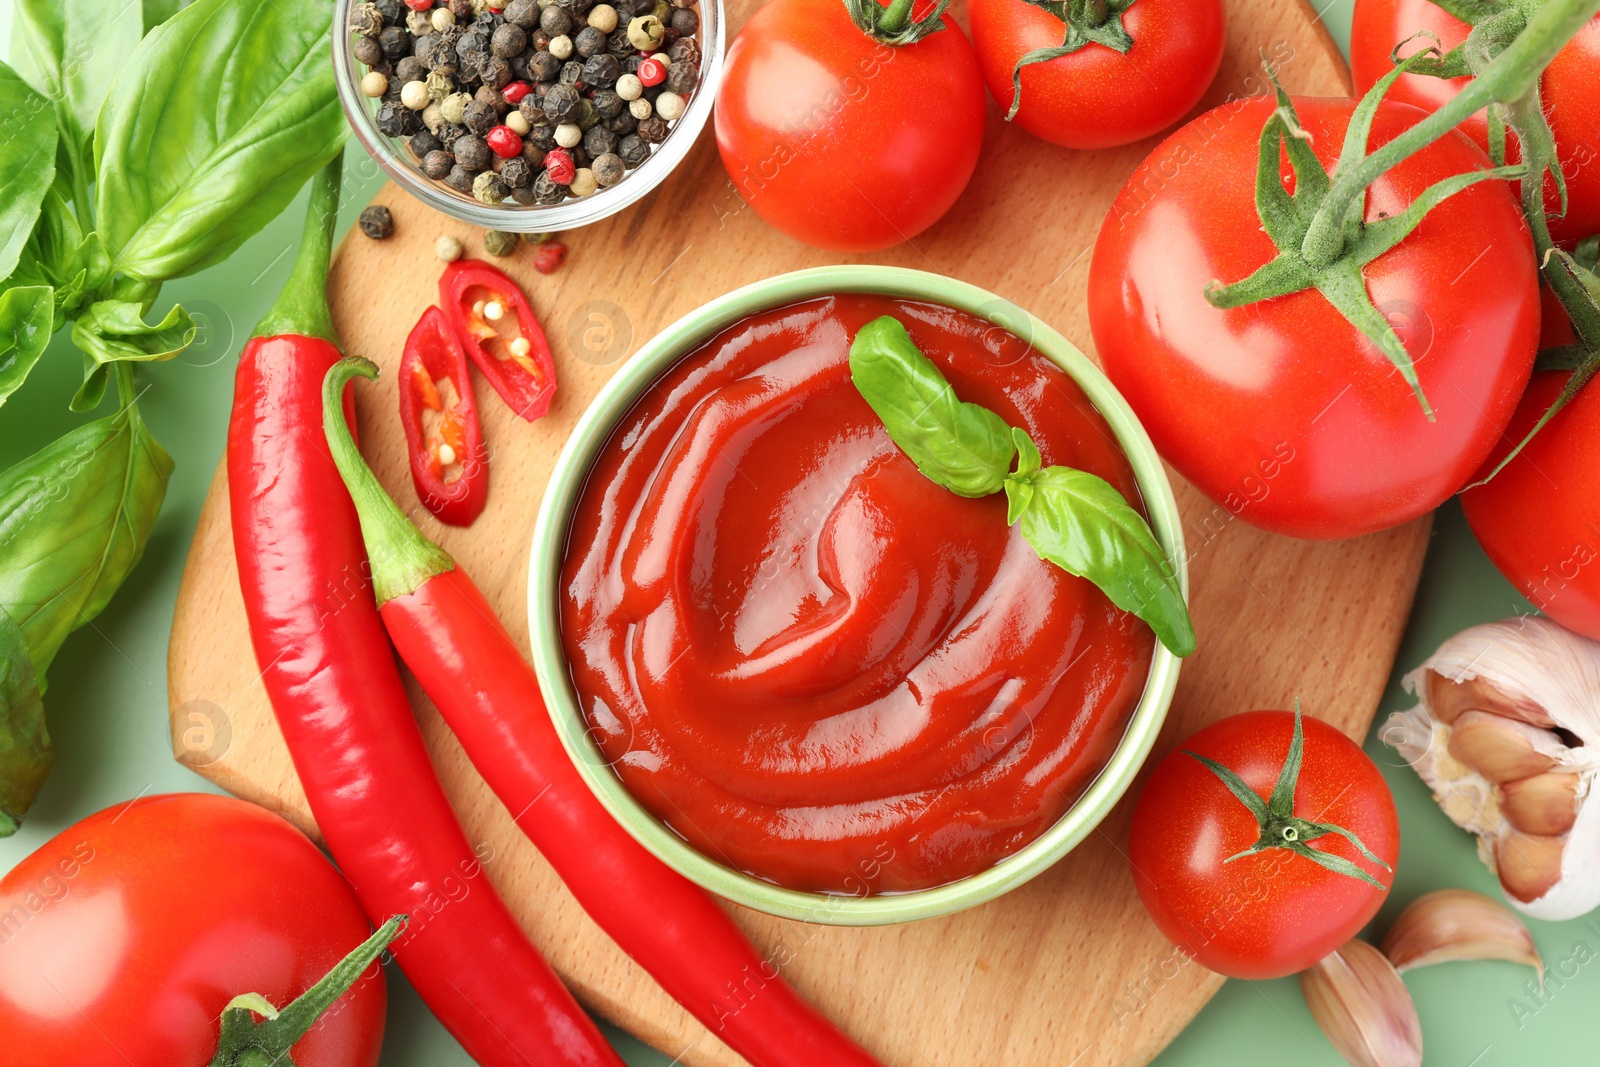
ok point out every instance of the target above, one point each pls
(809, 660)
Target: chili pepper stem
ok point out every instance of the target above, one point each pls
(1511, 75)
(401, 557)
(302, 305)
(247, 1043)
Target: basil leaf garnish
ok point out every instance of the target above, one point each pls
(964, 447)
(1072, 518)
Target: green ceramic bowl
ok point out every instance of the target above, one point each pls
(549, 547)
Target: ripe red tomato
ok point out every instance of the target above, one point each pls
(1097, 97)
(126, 935)
(1571, 96)
(1282, 411)
(1539, 519)
(1273, 913)
(839, 140)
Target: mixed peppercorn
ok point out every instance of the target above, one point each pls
(533, 101)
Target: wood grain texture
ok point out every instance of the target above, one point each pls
(1067, 969)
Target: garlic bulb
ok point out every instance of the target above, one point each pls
(1363, 1007)
(1507, 735)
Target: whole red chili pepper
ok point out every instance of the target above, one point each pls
(450, 638)
(332, 680)
(432, 354)
(475, 296)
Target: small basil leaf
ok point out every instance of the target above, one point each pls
(70, 50)
(964, 447)
(27, 315)
(112, 331)
(27, 164)
(25, 750)
(214, 123)
(59, 254)
(1083, 525)
(74, 518)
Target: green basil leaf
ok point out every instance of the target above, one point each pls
(27, 318)
(158, 11)
(27, 164)
(964, 447)
(112, 331)
(1079, 522)
(74, 518)
(70, 50)
(61, 255)
(213, 125)
(25, 750)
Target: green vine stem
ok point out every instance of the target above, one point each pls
(1507, 78)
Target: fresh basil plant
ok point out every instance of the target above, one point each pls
(140, 140)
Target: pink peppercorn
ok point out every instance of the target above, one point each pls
(652, 71)
(558, 164)
(504, 142)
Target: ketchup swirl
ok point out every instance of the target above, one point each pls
(809, 660)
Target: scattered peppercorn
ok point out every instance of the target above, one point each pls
(597, 141)
(641, 108)
(391, 10)
(447, 248)
(395, 41)
(589, 42)
(518, 123)
(366, 20)
(549, 257)
(622, 124)
(500, 243)
(376, 221)
(561, 103)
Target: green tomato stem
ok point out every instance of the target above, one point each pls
(1510, 76)
(302, 305)
(896, 16)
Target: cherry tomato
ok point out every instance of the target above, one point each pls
(1097, 97)
(840, 140)
(1570, 87)
(127, 934)
(1282, 411)
(1539, 519)
(1272, 913)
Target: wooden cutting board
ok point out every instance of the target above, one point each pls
(1066, 970)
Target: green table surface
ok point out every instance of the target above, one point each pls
(108, 714)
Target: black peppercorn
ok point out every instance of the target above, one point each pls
(367, 50)
(492, 70)
(463, 10)
(423, 143)
(561, 102)
(426, 49)
(607, 104)
(479, 117)
(540, 139)
(653, 129)
(599, 140)
(669, 37)
(544, 66)
(622, 123)
(608, 169)
(524, 195)
(554, 21)
(685, 51)
(376, 221)
(396, 42)
(491, 97)
(472, 153)
(436, 164)
(509, 40)
(366, 20)
(519, 67)
(601, 70)
(450, 133)
(523, 13)
(572, 74)
(632, 63)
(517, 172)
(546, 191)
(633, 151)
(460, 179)
(391, 10)
(589, 42)
(682, 78)
(618, 44)
(410, 69)
(685, 20)
(580, 158)
(397, 120)
(471, 43)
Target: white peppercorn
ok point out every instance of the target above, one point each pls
(442, 18)
(560, 46)
(568, 135)
(640, 109)
(603, 17)
(629, 87)
(447, 248)
(670, 106)
(583, 183)
(518, 123)
(374, 84)
(414, 95)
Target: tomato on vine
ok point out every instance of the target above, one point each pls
(1570, 89)
(1264, 844)
(850, 126)
(1097, 73)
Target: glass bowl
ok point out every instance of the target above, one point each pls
(594, 429)
(395, 158)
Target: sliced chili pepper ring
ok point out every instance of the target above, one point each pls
(522, 373)
(434, 354)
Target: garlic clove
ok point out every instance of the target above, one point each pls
(1545, 804)
(1364, 1008)
(1500, 749)
(1448, 699)
(1458, 924)
(1529, 865)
